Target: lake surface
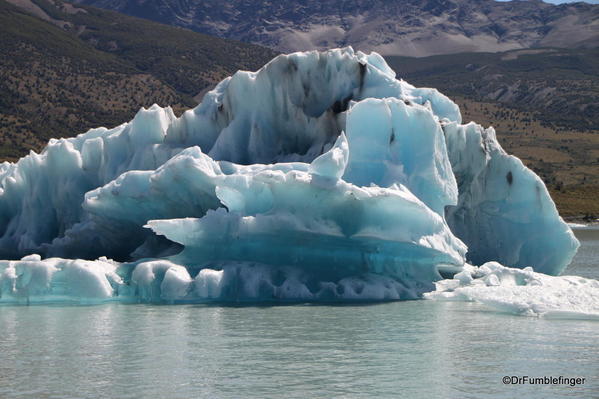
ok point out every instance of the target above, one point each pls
(415, 349)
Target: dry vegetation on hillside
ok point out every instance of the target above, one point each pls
(97, 68)
(54, 99)
(567, 160)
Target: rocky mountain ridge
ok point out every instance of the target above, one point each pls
(414, 28)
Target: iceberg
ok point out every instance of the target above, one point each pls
(522, 291)
(504, 211)
(319, 177)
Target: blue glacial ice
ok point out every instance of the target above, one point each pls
(319, 177)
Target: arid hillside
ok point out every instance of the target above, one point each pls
(67, 68)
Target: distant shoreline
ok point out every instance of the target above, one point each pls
(581, 221)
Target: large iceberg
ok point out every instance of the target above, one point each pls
(319, 177)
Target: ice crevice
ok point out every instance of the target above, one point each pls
(319, 177)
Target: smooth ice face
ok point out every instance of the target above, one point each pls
(398, 142)
(258, 193)
(504, 211)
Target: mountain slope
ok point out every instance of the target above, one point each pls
(560, 86)
(399, 27)
(65, 69)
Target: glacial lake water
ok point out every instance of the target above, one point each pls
(414, 349)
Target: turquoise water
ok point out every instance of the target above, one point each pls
(415, 349)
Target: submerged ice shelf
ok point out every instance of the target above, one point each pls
(319, 177)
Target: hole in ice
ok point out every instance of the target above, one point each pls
(341, 106)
